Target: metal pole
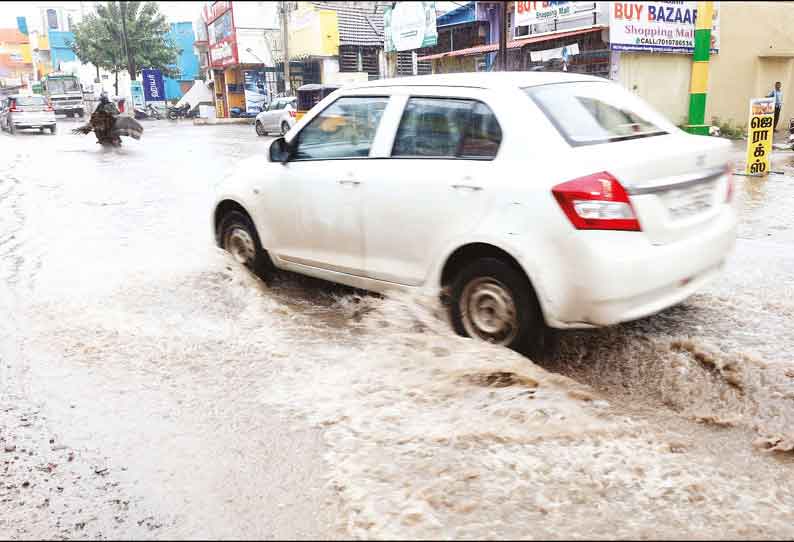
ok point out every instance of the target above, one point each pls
(285, 43)
(503, 36)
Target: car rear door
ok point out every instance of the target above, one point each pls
(434, 184)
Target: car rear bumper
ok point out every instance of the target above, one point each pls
(34, 123)
(621, 276)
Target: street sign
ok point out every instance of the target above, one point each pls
(136, 91)
(759, 136)
(153, 87)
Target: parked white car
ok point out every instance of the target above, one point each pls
(278, 117)
(19, 112)
(531, 198)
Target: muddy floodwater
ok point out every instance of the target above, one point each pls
(151, 388)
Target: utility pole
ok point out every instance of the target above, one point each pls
(502, 56)
(130, 68)
(285, 44)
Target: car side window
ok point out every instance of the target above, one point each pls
(447, 128)
(345, 129)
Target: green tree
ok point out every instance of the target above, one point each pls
(93, 43)
(101, 39)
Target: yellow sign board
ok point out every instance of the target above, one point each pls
(759, 135)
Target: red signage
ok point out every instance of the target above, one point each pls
(224, 52)
(213, 10)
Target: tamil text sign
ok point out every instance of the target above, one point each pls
(759, 135)
(410, 25)
(153, 87)
(657, 26)
(527, 13)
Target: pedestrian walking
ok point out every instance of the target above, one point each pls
(777, 93)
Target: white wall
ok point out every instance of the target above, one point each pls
(255, 14)
(253, 39)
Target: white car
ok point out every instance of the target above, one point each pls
(530, 198)
(19, 112)
(278, 117)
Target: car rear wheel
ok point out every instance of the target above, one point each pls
(238, 237)
(260, 130)
(11, 128)
(284, 127)
(81, 113)
(492, 301)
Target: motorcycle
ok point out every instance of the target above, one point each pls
(182, 112)
(147, 113)
(238, 113)
(109, 126)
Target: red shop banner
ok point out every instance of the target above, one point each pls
(224, 52)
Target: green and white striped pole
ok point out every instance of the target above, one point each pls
(698, 88)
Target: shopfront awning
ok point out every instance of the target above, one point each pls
(515, 44)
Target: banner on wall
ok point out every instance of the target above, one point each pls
(667, 27)
(409, 26)
(759, 135)
(255, 90)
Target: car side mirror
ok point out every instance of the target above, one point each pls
(280, 151)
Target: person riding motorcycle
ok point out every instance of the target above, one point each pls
(107, 125)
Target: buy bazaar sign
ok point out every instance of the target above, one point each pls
(527, 13)
(759, 136)
(667, 27)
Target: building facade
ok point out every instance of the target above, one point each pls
(752, 47)
(16, 63)
(187, 66)
(237, 52)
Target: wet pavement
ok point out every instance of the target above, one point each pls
(152, 389)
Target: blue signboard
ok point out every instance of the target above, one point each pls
(153, 87)
(136, 89)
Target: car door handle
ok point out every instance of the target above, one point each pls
(350, 182)
(471, 187)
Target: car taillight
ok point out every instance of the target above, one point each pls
(729, 190)
(292, 114)
(596, 202)
(13, 107)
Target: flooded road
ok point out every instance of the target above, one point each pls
(153, 389)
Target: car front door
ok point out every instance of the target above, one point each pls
(272, 115)
(329, 163)
(434, 187)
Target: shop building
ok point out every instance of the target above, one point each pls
(335, 42)
(238, 50)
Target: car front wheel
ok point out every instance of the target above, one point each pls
(238, 237)
(260, 130)
(492, 301)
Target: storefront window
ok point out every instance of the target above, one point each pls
(221, 28)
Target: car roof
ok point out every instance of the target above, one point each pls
(487, 80)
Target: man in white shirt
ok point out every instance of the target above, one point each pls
(777, 93)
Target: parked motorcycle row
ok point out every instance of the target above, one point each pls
(149, 112)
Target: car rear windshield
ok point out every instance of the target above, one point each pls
(22, 101)
(588, 113)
